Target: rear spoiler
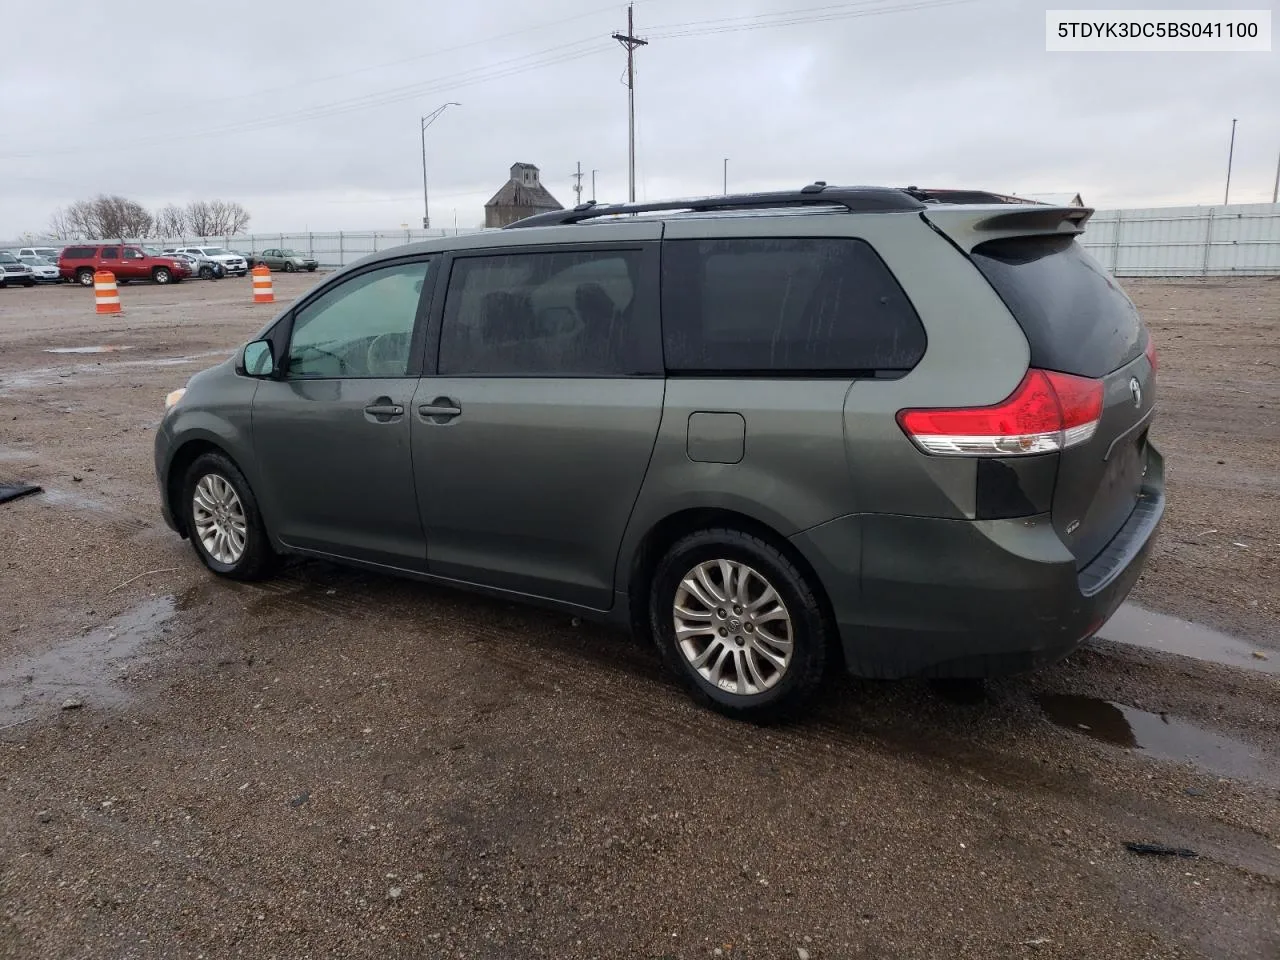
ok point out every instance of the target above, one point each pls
(969, 226)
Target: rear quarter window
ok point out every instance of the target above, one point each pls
(785, 306)
(1075, 316)
(78, 253)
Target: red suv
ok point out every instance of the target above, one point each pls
(126, 262)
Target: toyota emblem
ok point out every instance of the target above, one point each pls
(1135, 390)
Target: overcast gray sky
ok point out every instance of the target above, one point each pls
(307, 112)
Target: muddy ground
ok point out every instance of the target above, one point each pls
(342, 765)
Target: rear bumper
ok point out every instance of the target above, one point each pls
(918, 596)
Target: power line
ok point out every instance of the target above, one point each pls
(368, 68)
(366, 101)
(552, 56)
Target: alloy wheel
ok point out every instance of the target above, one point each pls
(733, 627)
(219, 519)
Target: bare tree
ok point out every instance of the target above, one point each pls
(62, 226)
(119, 218)
(200, 218)
(171, 221)
(227, 217)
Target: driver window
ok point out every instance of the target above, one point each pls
(132, 254)
(362, 328)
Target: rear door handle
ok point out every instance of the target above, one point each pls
(441, 409)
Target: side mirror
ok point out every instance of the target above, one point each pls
(258, 360)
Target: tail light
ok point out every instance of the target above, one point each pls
(1152, 357)
(1049, 411)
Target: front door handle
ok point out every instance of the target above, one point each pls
(440, 410)
(383, 410)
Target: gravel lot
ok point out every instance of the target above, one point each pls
(334, 764)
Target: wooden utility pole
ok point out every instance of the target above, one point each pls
(630, 41)
(577, 184)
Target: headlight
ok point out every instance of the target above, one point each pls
(173, 398)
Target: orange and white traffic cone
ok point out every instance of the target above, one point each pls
(104, 290)
(262, 292)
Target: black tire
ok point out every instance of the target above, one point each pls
(84, 277)
(311, 269)
(161, 275)
(258, 559)
(797, 689)
(206, 273)
(289, 267)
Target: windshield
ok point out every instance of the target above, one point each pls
(214, 251)
(8, 258)
(290, 253)
(36, 262)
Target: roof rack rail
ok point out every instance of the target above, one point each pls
(927, 195)
(853, 199)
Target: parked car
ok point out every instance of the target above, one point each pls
(48, 253)
(249, 258)
(201, 267)
(44, 271)
(232, 262)
(772, 431)
(126, 261)
(13, 270)
(287, 260)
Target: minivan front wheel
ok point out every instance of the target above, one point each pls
(222, 519)
(739, 624)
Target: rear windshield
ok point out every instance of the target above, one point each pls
(1075, 316)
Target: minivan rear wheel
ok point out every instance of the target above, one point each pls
(738, 622)
(222, 519)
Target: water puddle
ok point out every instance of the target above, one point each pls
(1161, 737)
(75, 501)
(41, 377)
(1157, 631)
(85, 668)
(85, 349)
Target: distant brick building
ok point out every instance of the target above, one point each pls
(522, 196)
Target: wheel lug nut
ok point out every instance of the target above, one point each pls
(748, 627)
(720, 613)
(724, 632)
(737, 609)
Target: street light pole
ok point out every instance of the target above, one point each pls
(726, 176)
(1231, 153)
(593, 185)
(426, 121)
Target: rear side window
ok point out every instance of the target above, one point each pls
(1075, 317)
(775, 305)
(78, 253)
(110, 253)
(583, 313)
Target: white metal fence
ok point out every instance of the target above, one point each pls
(1228, 241)
(331, 249)
(1236, 240)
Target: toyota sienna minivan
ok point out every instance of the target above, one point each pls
(899, 431)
